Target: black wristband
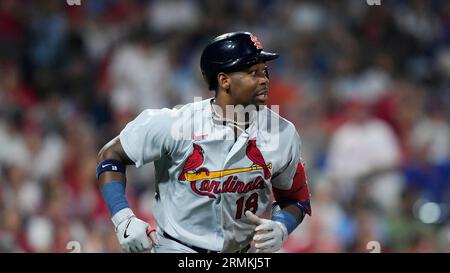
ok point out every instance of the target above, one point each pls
(110, 166)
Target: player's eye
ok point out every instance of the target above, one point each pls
(261, 73)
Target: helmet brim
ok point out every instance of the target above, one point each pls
(268, 56)
(249, 60)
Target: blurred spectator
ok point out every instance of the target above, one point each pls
(139, 74)
(365, 150)
(431, 135)
(428, 168)
(173, 15)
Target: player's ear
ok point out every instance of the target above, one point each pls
(223, 81)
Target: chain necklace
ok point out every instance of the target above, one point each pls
(220, 118)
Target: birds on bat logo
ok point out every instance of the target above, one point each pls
(193, 172)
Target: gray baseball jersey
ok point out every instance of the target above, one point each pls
(206, 179)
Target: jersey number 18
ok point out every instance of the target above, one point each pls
(251, 204)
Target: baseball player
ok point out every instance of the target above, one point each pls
(214, 182)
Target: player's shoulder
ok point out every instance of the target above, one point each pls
(272, 118)
(193, 107)
(190, 112)
(177, 112)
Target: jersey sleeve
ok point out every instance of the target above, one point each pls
(291, 184)
(282, 179)
(147, 138)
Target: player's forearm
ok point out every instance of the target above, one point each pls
(111, 175)
(296, 212)
(290, 214)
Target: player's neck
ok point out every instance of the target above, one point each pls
(222, 101)
(229, 107)
(227, 113)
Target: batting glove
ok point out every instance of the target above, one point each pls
(270, 235)
(134, 235)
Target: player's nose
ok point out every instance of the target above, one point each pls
(264, 80)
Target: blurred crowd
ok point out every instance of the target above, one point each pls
(368, 88)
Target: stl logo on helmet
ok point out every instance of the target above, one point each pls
(256, 41)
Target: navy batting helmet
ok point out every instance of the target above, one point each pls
(231, 52)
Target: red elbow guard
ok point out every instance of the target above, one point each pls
(299, 190)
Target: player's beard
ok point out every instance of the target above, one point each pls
(257, 101)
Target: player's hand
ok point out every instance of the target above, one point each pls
(134, 235)
(270, 235)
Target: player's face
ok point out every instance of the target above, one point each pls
(250, 86)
